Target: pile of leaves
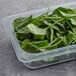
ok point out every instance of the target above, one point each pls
(47, 31)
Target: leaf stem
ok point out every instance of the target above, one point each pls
(55, 23)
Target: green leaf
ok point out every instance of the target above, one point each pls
(55, 45)
(70, 26)
(70, 37)
(21, 22)
(39, 33)
(25, 44)
(29, 47)
(33, 49)
(47, 31)
(41, 43)
(38, 37)
(23, 30)
(62, 9)
(73, 21)
(35, 30)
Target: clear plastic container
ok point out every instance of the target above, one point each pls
(37, 60)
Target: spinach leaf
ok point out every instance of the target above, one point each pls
(59, 41)
(21, 22)
(73, 20)
(41, 43)
(29, 47)
(63, 9)
(35, 30)
(39, 33)
(47, 31)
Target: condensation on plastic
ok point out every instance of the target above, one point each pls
(37, 60)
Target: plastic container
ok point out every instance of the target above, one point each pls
(37, 60)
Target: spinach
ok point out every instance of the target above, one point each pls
(38, 32)
(47, 31)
